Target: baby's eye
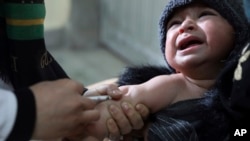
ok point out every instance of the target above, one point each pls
(206, 13)
(173, 23)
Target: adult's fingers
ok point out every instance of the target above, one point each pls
(71, 84)
(86, 103)
(120, 119)
(143, 110)
(89, 116)
(133, 116)
(114, 132)
(113, 91)
(81, 121)
(77, 86)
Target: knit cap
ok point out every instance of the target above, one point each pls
(231, 10)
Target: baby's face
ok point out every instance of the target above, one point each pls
(196, 35)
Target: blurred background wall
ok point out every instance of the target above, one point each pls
(126, 28)
(247, 10)
(130, 27)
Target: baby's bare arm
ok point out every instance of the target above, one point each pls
(156, 93)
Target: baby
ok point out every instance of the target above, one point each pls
(197, 36)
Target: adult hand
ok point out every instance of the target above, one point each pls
(61, 110)
(126, 120)
(104, 89)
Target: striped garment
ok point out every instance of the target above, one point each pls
(170, 129)
(191, 120)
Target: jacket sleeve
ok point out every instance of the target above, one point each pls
(25, 116)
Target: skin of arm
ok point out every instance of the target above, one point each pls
(156, 93)
(165, 90)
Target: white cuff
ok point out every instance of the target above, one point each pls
(8, 111)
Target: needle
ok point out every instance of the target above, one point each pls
(99, 98)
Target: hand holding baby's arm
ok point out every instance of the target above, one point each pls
(99, 129)
(117, 117)
(111, 111)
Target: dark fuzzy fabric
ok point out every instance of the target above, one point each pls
(234, 90)
(195, 120)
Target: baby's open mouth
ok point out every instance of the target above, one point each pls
(190, 43)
